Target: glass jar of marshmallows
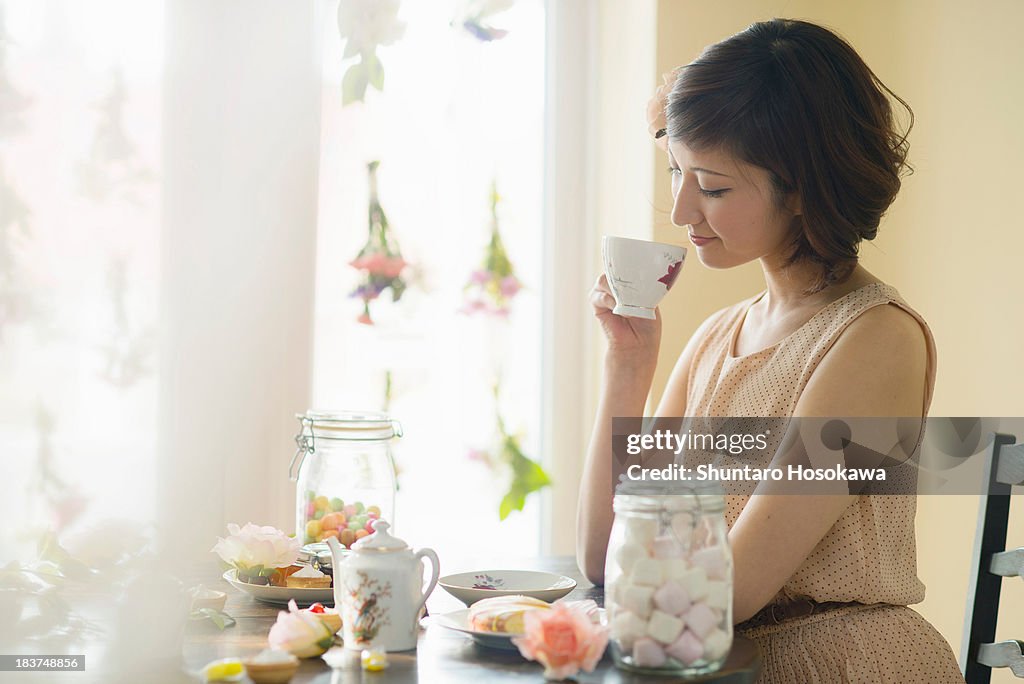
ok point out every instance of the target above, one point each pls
(668, 579)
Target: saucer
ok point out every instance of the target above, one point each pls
(281, 595)
(470, 587)
(458, 620)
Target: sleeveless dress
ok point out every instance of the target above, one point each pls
(868, 556)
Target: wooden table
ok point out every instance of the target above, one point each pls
(442, 656)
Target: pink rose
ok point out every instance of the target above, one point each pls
(300, 633)
(391, 267)
(510, 286)
(473, 306)
(361, 263)
(479, 277)
(562, 639)
(656, 109)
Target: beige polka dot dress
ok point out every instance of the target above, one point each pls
(869, 555)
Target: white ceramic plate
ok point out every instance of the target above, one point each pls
(470, 587)
(281, 595)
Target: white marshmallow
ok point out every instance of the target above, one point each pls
(717, 595)
(695, 581)
(647, 653)
(712, 560)
(612, 593)
(641, 530)
(674, 568)
(716, 644)
(672, 598)
(667, 546)
(637, 599)
(626, 628)
(701, 620)
(627, 556)
(687, 649)
(664, 628)
(647, 571)
(682, 523)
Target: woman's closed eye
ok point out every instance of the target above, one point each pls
(676, 171)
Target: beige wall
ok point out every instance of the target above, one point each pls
(953, 243)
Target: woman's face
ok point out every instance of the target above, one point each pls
(728, 208)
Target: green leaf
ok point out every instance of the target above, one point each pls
(353, 85)
(514, 500)
(397, 288)
(531, 476)
(221, 619)
(375, 70)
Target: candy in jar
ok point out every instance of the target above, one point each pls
(668, 579)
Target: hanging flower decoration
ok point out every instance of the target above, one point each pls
(656, 123)
(365, 25)
(380, 259)
(129, 348)
(12, 102)
(527, 476)
(16, 296)
(492, 286)
(475, 16)
(114, 164)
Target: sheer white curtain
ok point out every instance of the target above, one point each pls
(158, 210)
(80, 100)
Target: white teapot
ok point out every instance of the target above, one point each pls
(379, 590)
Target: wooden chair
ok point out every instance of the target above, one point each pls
(990, 563)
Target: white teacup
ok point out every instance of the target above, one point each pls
(640, 273)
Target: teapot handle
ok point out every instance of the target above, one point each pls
(435, 574)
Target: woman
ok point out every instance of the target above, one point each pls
(783, 148)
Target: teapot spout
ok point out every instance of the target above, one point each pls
(335, 547)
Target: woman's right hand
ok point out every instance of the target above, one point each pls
(632, 341)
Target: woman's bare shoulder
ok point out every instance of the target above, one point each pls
(877, 367)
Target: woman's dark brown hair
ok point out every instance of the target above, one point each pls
(795, 99)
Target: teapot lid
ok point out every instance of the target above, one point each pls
(380, 540)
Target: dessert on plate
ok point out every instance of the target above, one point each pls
(271, 666)
(503, 613)
(308, 578)
(328, 616)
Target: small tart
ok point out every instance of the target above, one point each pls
(308, 578)
(309, 582)
(271, 667)
(278, 579)
(331, 618)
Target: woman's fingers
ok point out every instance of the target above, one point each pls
(601, 297)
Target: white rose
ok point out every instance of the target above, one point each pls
(255, 546)
(302, 634)
(365, 24)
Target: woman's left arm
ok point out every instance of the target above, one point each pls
(877, 367)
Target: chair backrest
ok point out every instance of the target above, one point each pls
(989, 564)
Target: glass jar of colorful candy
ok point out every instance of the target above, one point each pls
(344, 474)
(668, 579)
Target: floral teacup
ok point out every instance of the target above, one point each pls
(640, 273)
